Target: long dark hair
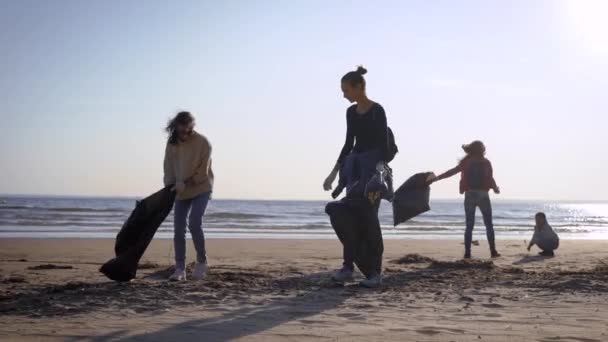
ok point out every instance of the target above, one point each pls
(543, 216)
(355, 78)
(181, 118)
(475, 149)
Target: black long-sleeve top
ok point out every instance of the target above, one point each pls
(365, 132)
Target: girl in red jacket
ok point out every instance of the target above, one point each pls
(476, 180)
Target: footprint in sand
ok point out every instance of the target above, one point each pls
(438, 330)
(493, 315)
(466, 299)
(426, 331)
(369, 306)
(50, 267)
(14, 280)
(310, 321)
(493, 306)
(568, 339)
(352, 316)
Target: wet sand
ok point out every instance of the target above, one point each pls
(274, 290)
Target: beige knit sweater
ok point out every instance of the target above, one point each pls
(189, 162)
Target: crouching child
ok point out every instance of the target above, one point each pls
(544, 236)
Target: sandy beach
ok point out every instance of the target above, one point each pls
(274, 290)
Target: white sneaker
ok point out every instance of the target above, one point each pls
(343, 275)
(200, 271)
(178, 275)
(372, 282)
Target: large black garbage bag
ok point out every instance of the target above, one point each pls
(136, 234)
(355, 221)
(412, 198)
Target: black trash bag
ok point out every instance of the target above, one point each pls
(412, 198)
(356, 224)
(136, 234)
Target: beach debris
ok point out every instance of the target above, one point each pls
(14, 280)
(412, 259)
(512, 270)
(148, 265)
(466, 299)
(463, 264)
(573, 284)
(474, 243)
(50, 267)
(602, 267)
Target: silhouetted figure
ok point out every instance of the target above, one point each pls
(476, 180)
(365, 153)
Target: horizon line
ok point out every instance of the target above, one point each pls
(288, 199)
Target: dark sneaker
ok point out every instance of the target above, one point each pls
(546, 253)
(495, 254)
(467, 255)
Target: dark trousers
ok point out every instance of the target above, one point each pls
(358, 168)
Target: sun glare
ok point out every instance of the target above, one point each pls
(589, 23)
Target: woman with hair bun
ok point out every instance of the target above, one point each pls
(365, 150)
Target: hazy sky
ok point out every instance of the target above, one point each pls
(86, 87)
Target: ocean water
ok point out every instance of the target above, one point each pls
(61, 217)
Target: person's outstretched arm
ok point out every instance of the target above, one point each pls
(533, 241)
(346, 149)
(449, 173)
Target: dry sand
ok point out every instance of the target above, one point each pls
(274, 290)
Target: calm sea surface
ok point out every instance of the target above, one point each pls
(59, 217)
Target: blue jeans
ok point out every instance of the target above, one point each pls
(358, 168)
(196, 208)
(472, 200)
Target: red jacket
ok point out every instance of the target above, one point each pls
(467, 180)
